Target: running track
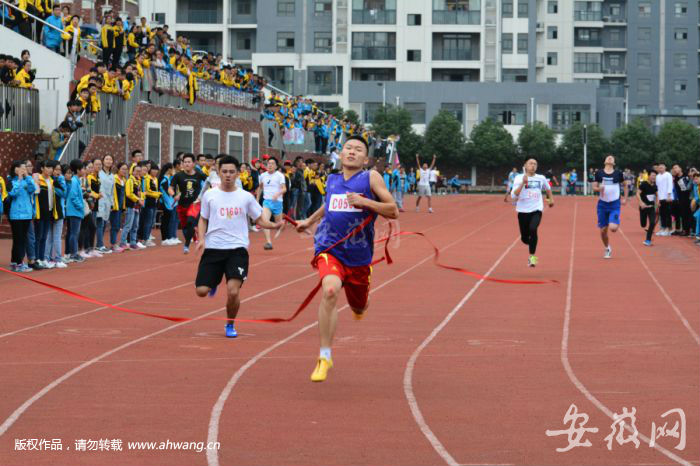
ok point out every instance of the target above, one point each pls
(443, 370)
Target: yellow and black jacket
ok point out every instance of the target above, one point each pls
(133, 193)
(246, 181)
(42, 201)
(95, 104)
(107, 36)
(119, 195)
(68, 33)
(110, 86)
(25, 80)
(94, 191)
(152, 191)
(192, 88)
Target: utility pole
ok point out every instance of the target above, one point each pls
(584, 175)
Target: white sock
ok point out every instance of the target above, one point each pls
(325, 353)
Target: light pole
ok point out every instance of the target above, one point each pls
(383, 86)
(532, 110)
(627, 103)
(584, 175)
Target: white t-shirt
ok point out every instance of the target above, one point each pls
(530, 198)
(433, 176)
(272, 184)
(664, 183)
(226, 213)
(335, 160)
(424, 177)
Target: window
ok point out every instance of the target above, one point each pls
(210, 141)
(285, 42)
(285, 8)
(153, 142)
(644, 35)
(587, 62)
(414, 20)
(552, 32)
(678, 109)
(507, 8)
(644, 86)
(412, 55)
(552, 7)
(182, 139)
(243, 42)
(681, 9)
(254, 146)
(514, 75)
(374, 74)
(509, 114)
(522, 43)
(680, 86)
(507, 42)
(456, 109)
(644, 9)
(323, 42)
(234, 145)
(370, 110)
(551, 80)
(323, 7)
(374, 46)
(644, 60)
(614, 61)
(615, 36)
(680, 60)
(417, 111)
(522, 9)
(680, 34)
(552, 58)
(243, 7)
(615, 9)
(564, 116)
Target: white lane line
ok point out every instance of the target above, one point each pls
(92, 311)
(217, 409)
(410, 365)
(569, 370)
(678, 312)
(27, 404)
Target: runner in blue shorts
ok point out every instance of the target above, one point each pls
(274, 187)
(607, 183)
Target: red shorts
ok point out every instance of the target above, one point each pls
(190, 211)
(355, 279)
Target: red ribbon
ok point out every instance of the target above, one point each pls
(304, 304)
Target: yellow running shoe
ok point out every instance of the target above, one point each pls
(321, 372)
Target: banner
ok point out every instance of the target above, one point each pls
(176, 83)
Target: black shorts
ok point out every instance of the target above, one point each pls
(216, 263)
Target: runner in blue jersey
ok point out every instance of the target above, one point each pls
(354, 198)
(607, 183)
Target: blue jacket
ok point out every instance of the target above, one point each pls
(74, 199)
(21, 193)
(168, 200)
(52, 38)
(59, 186)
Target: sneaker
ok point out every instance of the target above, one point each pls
(140, 245)
(417, 209)
(177, 241)
(660, 233)
(186, 250)
(104, 250)
(647, 243)
(84, 255)
(230, 331)
(37, 265)
(95, 253)
(77, 258)
(49, 265)
(267, 246)
(212, 292)
(24, 268)
(430, 210)
(320, 373)
(532, 261)
(150, 243)
(151, 238)
(608, 253)
(60, 265)
(167, 242)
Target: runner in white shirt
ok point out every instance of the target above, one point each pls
(664, 183)
(224, 218)
(424, 183)
(274, 187)
(527, 189)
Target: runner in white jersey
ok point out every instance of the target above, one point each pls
(424, 183)
(527, 189)
(224, 218)
(274, 187)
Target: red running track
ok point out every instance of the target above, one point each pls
(443, 370)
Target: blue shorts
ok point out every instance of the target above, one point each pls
(608, 212)
(274, 206)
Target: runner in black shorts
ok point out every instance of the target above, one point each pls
(224, 218)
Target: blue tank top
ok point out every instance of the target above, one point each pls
(340, 219)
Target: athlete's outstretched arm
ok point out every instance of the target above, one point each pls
(385, 206)
(550, 198)
(262, 223)
(202, 229)
(432, 164)
(304, 225)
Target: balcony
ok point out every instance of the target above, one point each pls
(374, 16)
(199, 16)
(614, 20)
(588, 16)
(540, 62)
(587, 68)
(614, 71)
(540, 27)
(611, 90)
(588, 43)
(455, 54)
(456, 17)
(373, 53)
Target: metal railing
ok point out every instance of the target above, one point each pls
(587, 67)
(455, 54)
(373, 53)
(292, 142)
(456, 17)
(199, 16)
(374, 16)
(19, 109)
(581, 15)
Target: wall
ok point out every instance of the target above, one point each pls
(15, 146)
(132, 8)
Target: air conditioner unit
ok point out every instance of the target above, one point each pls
(606, 19)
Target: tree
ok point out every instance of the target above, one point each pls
(536, 141)
(571, 149)
(352, 116)
(491, 146)
(679, 143)
(397, 121)
(444, 138)
(633, 145)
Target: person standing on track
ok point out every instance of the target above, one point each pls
(424, 183)
(648, 205)
(355, 197)
(188, 183)
(274, 186)
(223, 223)
(511, 176)
(527, 189)
(607, 183)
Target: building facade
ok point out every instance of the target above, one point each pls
(362, 53)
